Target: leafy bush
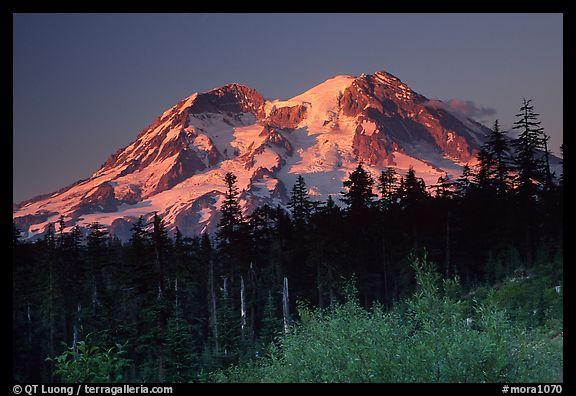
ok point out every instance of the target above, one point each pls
(89, 363)
(530, 297)
(427, 338)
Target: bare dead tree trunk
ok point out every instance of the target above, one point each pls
(176, 304)
(176, 292)
(161, 326)
(161, 320)
(94, 295)
(447, 258)
(29, 316)
(285, 305)
(242, 308)
(213, 315)
(330, 287)
(225, 302)
(75, 328)
(161, 316)
(254, 298)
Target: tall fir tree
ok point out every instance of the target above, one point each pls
(98, 256)
(528, 162)
(299, 202)
(529, 167)
(465, 183)
(413, 189)
(388, 187)
(161, 246)
(359, 195)
(498, 147)
(231, 214)
(51, 293)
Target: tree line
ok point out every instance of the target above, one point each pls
(181, 307)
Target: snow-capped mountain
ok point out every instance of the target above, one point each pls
(176, 165)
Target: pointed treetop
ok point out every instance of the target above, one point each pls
(359, 194)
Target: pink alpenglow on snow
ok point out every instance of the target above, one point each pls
(176, 166)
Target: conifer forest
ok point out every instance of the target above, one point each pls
(392, 281)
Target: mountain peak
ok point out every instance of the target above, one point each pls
(176, 165)
(233, 86)
(385, 74)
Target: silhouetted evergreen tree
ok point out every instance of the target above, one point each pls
(271, 325)
(528, 163)
(529, 167)
(231, 213)
(299, 202)
(388, 187)
(413, 190)
(465, 183)
(498, 169)
(358, 195)
(232, 234)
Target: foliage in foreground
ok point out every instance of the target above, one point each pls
(89, 363)
(431, 337)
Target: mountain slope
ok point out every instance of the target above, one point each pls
(176, 165)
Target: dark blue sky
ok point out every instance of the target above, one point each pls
(86, 84)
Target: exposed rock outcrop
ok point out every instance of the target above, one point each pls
(286, 117)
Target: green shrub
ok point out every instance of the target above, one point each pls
(531, 299)
(89, 363)
(431, 337)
